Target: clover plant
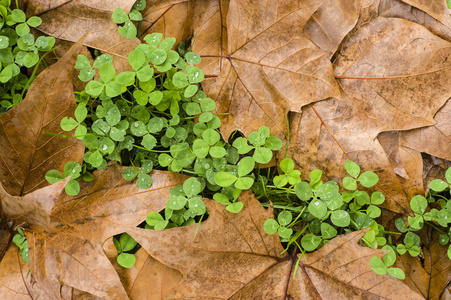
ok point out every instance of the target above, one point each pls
(20, 240)
(18, 50)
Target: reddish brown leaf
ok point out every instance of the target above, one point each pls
(329, 133)
(209, 27)
(165, 16)
(70, 252)
(386, 86)
(79, 17)
(429, 276)
(148, 278)
(26, 151)
(36, 7)
(15, 282)
(271, 66)
(248, 263)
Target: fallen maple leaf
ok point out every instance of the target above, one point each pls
(270, 67)
(429, 276)
(248, 263)
(15, 282)
(386, 87)
(69, 252)
(73, 19)
(168, 17)
(332, 21)
(147, 278)
(399, 9)
(26, 151)
(434, 140)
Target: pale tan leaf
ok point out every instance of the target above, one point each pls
(434, 140)
(70, 252)
(79, 17)
(332, 21)
(26, 151)
(169, 17)
(15, 280)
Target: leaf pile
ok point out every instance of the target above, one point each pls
(337, 80)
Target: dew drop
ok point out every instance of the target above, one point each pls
(316, 203)
(104, 147)
(136, 125)
(196, 205)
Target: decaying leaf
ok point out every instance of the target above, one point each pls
(271, 67)
(434, 140)
(332, 21)
(15, 280)
(148, 278)
(436, 9)
(69, 252)
(386, 86)
(76, 18)
(249, 264)
(429, 275)
(399, 9)
(26, 151)
(168, 17)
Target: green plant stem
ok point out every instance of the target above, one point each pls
(433, 226)
(17, 4)
(138, 29)
(391, 232)
(299, 215)
(36, 69)
(60, 135)
(267, 204)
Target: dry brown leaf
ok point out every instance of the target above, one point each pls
(329, 133)
(271, 67)
(387, 86)
(209, 27)
(70, 251)
(332, 22)
(399, 9)
(396, 72)
(15, 282)
(429, 276)
(26, 151)
(76, 18)
(434, 140)
(434, 168)
(203, 20)
(168, 17)
(435, 8)
(36, 7)
(148, 278)
(406, 162)
(248, 264)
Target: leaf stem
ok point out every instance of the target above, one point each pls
(36, 69)
(433, 226)
(267, 204)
